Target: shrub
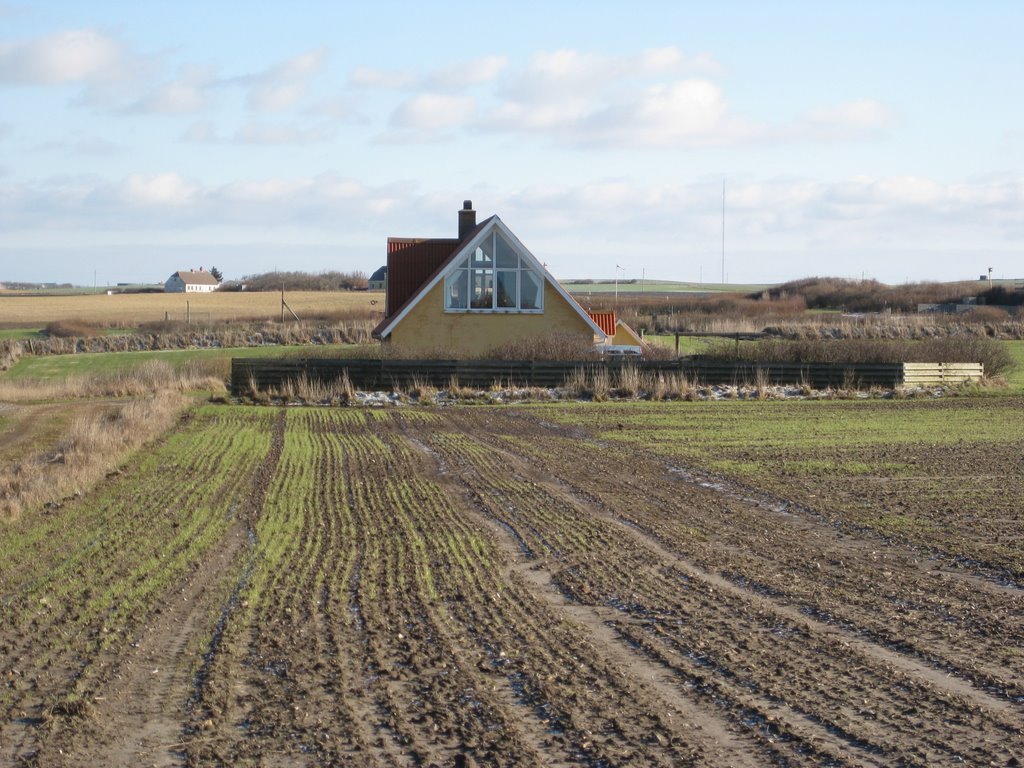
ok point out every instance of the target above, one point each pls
(947, 349)
(553, 346)
(66, 329)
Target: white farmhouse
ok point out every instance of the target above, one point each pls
(193, 281)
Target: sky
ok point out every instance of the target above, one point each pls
(865, 139)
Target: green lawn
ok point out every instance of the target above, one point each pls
(688, 345)
(50, 367)
(1015, 378)
(18, 334)
(734, 428)
(660, 286)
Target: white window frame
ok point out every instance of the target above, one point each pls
(489, 269)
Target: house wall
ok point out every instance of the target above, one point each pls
(625, 337)
(428, 326)
(174, 284)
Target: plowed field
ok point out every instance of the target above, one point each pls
(553, 586)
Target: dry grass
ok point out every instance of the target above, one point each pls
(90, 448)
(133, 309)
(307, 390)
(629, 382)
(152, 376)
(595, 384)
(421, 389)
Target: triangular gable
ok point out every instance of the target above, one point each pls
(475, 238)
(624, 329)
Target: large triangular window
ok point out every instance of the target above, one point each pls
(494, 277)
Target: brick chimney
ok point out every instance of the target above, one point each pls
(467, 219)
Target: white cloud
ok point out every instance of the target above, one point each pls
(205, 132)
(159, 190)
(367, 77)
(265, 191)
(201, 132)
(432, 112)
(679, 113)
(860, 113)
(466, 74)
(268, 133)
(586, 99)
(81, 146)
(337, 108)
(454, 77)
(285, 84)
(670, 224)
(73, 56)
(192, 92)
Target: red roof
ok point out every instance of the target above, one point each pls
(414, 262)
(410, 262)
(604, 320)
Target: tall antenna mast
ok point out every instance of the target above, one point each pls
(723, 231)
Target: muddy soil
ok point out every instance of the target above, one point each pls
(480, 586)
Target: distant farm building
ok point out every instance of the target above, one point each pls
(378, 280)
(475, 292)
(192, 281)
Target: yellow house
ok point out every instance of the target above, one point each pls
(476, 292)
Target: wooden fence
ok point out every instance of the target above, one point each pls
(937, 374)
(267, 374)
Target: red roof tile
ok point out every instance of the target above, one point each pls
(604, 320)
(410, 262)
(414, 262)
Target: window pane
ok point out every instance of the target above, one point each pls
(456, 290)
(483, 255)
(508, 296)
(531, 295)
(481, 288)
(507, 258)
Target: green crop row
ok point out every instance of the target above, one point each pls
(81, 577)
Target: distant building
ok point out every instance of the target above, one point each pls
(378, 280)
(192, 281)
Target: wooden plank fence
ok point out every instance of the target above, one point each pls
(368, 374)
(937, 374)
